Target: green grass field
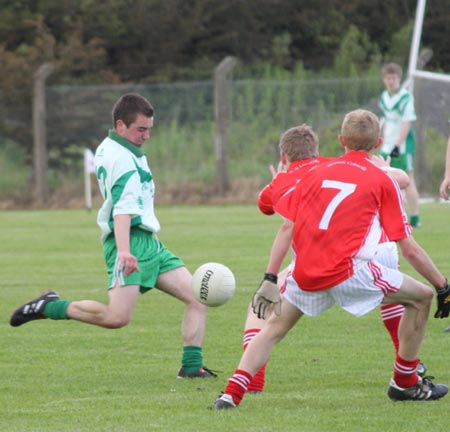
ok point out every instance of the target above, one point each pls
(330, 373)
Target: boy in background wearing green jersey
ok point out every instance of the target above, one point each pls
(399, 141)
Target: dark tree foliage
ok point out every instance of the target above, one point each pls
(163, 40)
(150, 41)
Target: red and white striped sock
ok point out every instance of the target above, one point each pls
(259, 379)
(249, 334)
(405, 372)
(391, 314)
(237, 385)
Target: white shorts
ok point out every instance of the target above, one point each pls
(387, 254)
(358, 295)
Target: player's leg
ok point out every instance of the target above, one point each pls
(406, 384)
(412, 194)
(391, 314)
(123, 290)
(412, 197)
(252, 327)
(416, 297)
(257, 354)
(364, 291)
(177, 283)
(274, 331)
(116, 314)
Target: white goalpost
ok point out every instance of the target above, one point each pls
(89, 168)
(432, 99)
(413, 71)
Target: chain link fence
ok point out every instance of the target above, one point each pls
(181, 151)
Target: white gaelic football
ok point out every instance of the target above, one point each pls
(213, 284)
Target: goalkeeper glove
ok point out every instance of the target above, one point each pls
(443, 301)
(267, 295)
(395, 152)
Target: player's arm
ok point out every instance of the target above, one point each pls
(268, 294)
(445, 185)
(421, 261)
(265, 197)
(128, 262)
(423, 264)
(265, 204)
(404, 131)
(280, 247)
(400, 176)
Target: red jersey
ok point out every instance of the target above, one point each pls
(283, 181)
(340, 209)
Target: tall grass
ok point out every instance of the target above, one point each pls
(14, 176)
(181, 150)
(330, 373)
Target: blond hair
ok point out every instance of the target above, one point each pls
(360, 130)
(299, 142)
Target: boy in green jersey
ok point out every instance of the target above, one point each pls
(399, 141)
(136, 260)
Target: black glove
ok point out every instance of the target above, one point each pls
(395, 152)
(267, 295)
(443, 301)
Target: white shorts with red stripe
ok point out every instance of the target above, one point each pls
(358, 295)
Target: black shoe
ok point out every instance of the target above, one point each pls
(224, 401)
(32, 310)
(202, 372)
(423, 390)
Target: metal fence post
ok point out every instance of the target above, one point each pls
(40, 186)
(222, 117)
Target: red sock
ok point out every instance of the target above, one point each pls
(391, 315)
(237, 385)
(405, 372)
(258, 381)
(249, 334)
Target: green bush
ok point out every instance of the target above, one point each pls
(434, 159)
(15, 175)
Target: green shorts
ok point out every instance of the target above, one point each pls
(153, 259)
(403, 161)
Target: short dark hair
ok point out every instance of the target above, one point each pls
(129, 106)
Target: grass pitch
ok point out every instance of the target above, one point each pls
(330, 373)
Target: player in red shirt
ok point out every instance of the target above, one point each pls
(299, 151)
(339, 211)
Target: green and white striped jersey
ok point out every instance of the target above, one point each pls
(397, 108)
(126, 184)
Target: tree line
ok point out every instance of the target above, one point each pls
(147, 42)
(115, 41)
(158, 41)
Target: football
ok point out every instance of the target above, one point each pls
(213, 284)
